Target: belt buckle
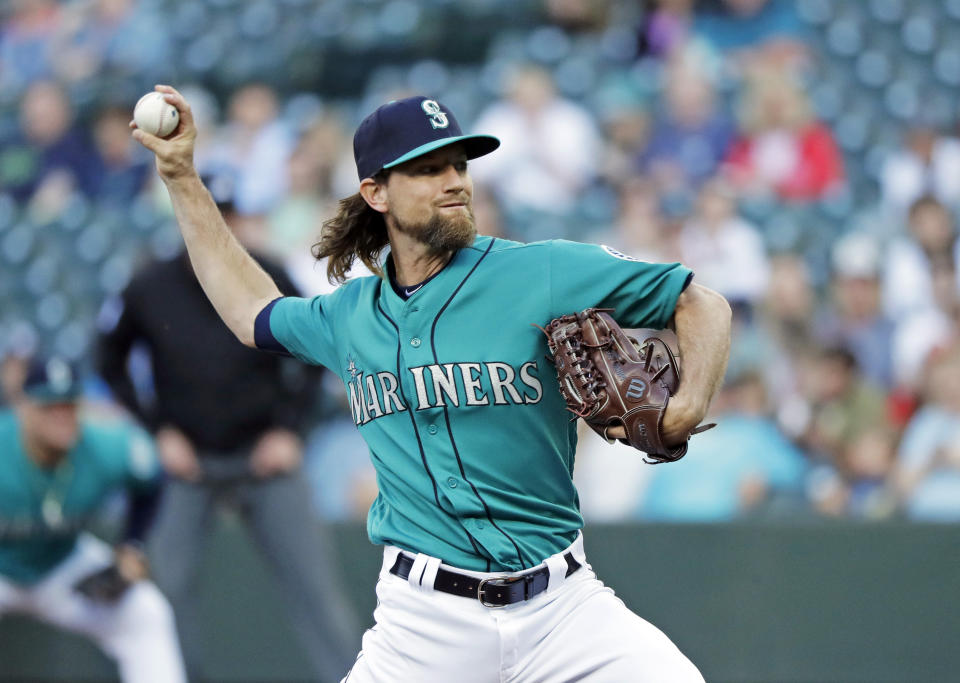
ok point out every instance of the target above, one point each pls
(504, 581)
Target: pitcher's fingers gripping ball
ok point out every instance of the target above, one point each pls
(154, 115)
(174, 152)
(611, 380)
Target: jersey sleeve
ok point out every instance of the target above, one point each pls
(588, 275)
(297, 326)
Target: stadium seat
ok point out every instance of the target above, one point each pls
(874, 68)
(887, 11)
(946, 65)
(919, 34)
(815, 12)
(52, 311)
(18, 244)
(844, 37)
(548, 44)
(9, 211)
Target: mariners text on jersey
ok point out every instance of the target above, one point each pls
(427, 376)
(450, 384)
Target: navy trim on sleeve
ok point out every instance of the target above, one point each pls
(686, 283)
(262, 336)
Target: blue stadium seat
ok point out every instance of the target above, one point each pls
(845, 36)
(115, 273)
(951, 9)
(874, 68)
(852, 130)
(428, 76)
(94, 243)
(576, 76)
(74, 338)
(43, 273)
(259, 19)
(188, 20)
(902, 99)
(887, 11)
(946, 65)
(815, 12)
(548, 44)
(18, 244)
(919, 34)
(9, 211)
(52, 311)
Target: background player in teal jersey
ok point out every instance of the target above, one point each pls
(484, 576)
(56, 470)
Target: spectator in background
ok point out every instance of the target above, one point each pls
(295, 222)
(691, 134)
(108, 39)
(724, 250)
(927, 165)
(26, 43)
(843, 404)
(124, 169)
(921, 286)
(47, 152)
(915, 260)
(777, 337)
(664, 26)
(578, 15)
(57, 469)
(742, 465)
(626, 129)
(227, 421)
(550, 145)
(782, 148)
(753, 31)
(856, 319)
(640, 229)
(253, 150)
(928, 461)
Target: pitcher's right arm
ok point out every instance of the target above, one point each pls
(236, 285)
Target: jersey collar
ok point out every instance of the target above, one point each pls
(438, 288)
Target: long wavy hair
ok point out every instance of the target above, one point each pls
(355, 232)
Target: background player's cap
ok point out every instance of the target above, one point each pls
(52, 380)
(402, 130)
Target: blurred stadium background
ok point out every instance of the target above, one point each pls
(800, 155)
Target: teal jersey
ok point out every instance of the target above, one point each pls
(42, 511)
(470, 438)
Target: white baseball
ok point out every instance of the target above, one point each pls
(155, 115)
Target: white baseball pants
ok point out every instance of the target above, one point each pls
(576, 630)
(138, 631)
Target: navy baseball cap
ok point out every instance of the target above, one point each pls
(402, 130)
(52, 380)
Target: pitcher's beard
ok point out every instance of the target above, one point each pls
(443, 233)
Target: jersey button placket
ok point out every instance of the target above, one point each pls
(451, 482)
(433, 429)
(415, 342)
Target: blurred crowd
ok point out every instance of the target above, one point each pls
(703, 131)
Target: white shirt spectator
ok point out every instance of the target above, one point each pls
(904, 177)
(550, 149)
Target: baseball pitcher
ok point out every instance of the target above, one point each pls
(484, 575)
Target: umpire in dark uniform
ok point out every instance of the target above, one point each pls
(227, 420)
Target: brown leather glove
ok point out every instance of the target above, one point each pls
(609, 379)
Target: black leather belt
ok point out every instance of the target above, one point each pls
(497, 591)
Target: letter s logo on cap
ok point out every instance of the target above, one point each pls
(437, 118)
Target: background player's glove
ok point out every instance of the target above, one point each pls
(105, 585)
(110, 583)
(609, 379)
